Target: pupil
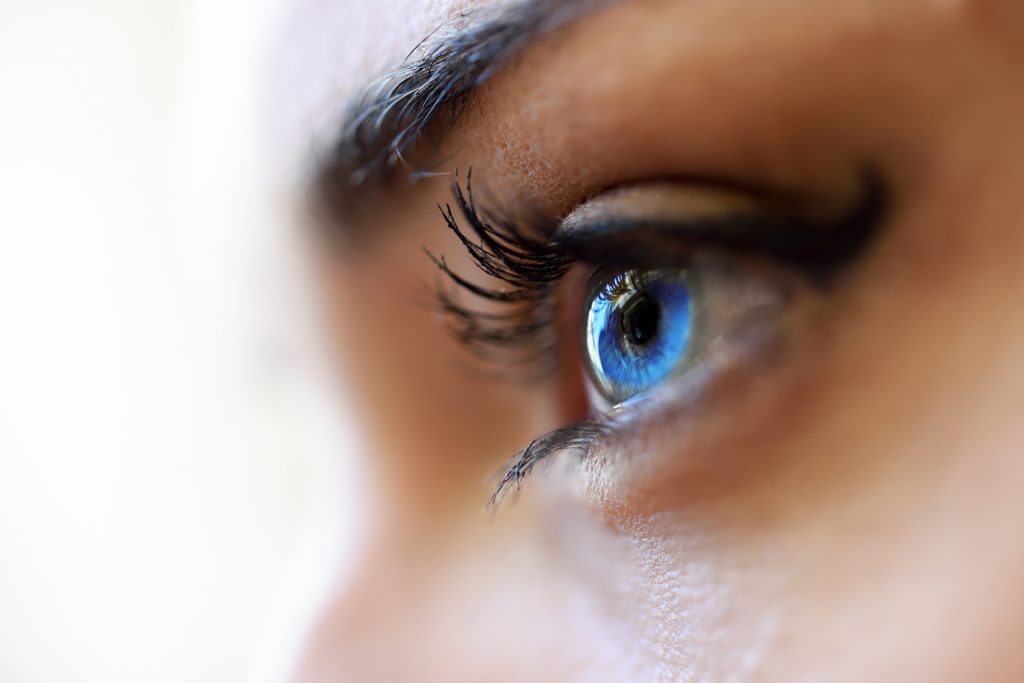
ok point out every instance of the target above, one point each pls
(640, 318)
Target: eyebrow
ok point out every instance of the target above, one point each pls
(419, 103)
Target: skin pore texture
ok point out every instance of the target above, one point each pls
(844, 508)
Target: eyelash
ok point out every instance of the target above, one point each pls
(521, 337)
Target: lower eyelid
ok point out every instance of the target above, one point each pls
(696, 437)
(696, 412)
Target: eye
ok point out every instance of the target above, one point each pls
(642, 326)
(637, 329)
(696, 283)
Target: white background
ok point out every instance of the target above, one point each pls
(169, 465)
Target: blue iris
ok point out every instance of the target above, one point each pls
(638, 327)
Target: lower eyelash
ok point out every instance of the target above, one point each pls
(523, 334)
(578, 438)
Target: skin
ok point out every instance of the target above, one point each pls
(847, 509)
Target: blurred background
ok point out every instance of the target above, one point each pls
(172, 467)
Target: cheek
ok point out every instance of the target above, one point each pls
(869, 500)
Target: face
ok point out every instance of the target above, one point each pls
(735, 285)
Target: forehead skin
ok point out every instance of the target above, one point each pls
(843, 553)
(332, 48)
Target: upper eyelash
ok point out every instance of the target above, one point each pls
(622, 283)
(522, 336)
(517, 253)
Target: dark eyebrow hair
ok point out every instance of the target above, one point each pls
(425, 97)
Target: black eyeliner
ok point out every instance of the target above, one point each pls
(818, 248)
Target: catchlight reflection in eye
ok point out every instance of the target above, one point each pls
(637, 329)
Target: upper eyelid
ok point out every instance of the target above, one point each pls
(525, 264)
(817, 246)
